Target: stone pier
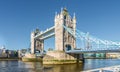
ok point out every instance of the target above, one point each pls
(60, 57)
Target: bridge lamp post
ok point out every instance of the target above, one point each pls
(82, 43)
(106, 44)
(98, 44)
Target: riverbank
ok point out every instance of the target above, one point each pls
(4, 58)
(32, 59)
(100, 58)
(95, 58)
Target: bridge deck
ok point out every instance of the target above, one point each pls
(91, 51)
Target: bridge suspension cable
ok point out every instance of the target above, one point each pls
(93, 42)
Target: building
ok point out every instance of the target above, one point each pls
(112, 55)
(8, 53)
(22, 52)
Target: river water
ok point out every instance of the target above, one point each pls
(19, 66)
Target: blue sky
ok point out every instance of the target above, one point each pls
(19, 17)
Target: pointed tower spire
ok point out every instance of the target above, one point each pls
(55, 13)
(61, 9)
(74, 17)
(3, 47)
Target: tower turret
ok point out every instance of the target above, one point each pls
(32, 42)
(74, 22)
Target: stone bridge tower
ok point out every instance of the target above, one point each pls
(63, 39)
(36, 44)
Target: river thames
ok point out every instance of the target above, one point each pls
(19, 66)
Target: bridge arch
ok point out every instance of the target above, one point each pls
(68, 47)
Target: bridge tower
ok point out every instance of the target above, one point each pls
(63, 39)
(36, 44)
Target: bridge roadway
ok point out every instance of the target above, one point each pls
(93, 51)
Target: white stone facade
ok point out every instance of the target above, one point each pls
(62, 37)
(36, 44)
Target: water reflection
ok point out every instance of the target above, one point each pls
(99, 63)
(6, 66)
(19, 66)
(31, 66)
(38, 67)
(65, 68)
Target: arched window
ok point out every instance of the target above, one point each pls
(68, 47)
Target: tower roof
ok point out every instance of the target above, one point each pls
(65, 12)
(65, 9)
(37, 30)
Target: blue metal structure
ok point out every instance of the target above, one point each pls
(93, 44)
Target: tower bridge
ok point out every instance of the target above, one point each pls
(62, 37)
(65, 33)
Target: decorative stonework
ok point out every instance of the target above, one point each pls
(62, 37)
(36, 44)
